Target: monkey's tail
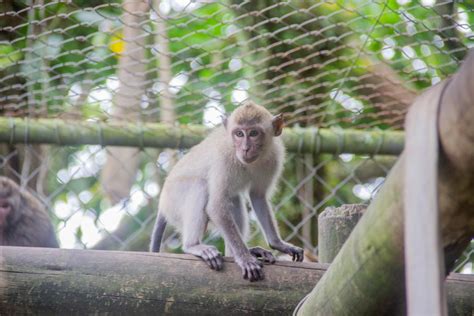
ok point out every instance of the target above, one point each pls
(158, 231)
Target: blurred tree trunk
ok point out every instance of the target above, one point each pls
(165, 74)
(128, 226)
(120, 169)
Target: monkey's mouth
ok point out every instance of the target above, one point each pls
(249, 158)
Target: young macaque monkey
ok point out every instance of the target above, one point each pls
(243, 158)
(23, 220)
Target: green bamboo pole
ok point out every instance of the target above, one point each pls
(301, 140)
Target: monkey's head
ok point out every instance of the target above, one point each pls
(252, 128)
(10, 200)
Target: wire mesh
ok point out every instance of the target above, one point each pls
(345, 64)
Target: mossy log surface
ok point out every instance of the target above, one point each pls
(335, 224)
(64, 282)
(60, 281)
(302, 140)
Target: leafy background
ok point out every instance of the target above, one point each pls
(328, 64)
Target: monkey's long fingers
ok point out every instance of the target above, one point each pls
(269, 257)
(258, 271)
(220, 262)
(255, 271)
(213, 258)
(250, 274)
(300, 257)
(297, 254)
(262, 253)
(214, 263)
(207, 259)
(245, 274)
(217, 261)
(212, 254)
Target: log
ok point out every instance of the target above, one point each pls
(370, 266)
(61, 281)
(335, 224)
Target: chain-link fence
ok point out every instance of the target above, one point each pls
(325, 64)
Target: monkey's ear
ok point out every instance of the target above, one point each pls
(224, 120)
(277, 124)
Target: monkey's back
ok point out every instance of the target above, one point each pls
(29, 223)
(33, 229)
(197, 162)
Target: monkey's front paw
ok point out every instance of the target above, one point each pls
(212, 257)
(262, 254)
(252, 269)
(295, 252)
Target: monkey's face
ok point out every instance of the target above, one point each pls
(5, 210)
(9, 200)
(249, 142)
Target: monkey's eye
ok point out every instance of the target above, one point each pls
(253, 133)
(239, 134)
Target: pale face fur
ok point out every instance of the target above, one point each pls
(252, 130)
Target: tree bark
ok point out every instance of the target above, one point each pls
(335, 224)
(120, 169)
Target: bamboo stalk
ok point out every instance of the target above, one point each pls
(157, 135)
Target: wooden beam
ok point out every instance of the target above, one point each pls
(61, 281)
(424, 258)
(89, 281)
(335, 224)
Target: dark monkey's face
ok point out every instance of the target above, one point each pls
(249, 142)
(8, 200)
(5, 210)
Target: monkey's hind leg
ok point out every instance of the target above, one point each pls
(193, 232)
(194, 226)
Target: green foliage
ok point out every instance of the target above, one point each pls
(295, 57)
